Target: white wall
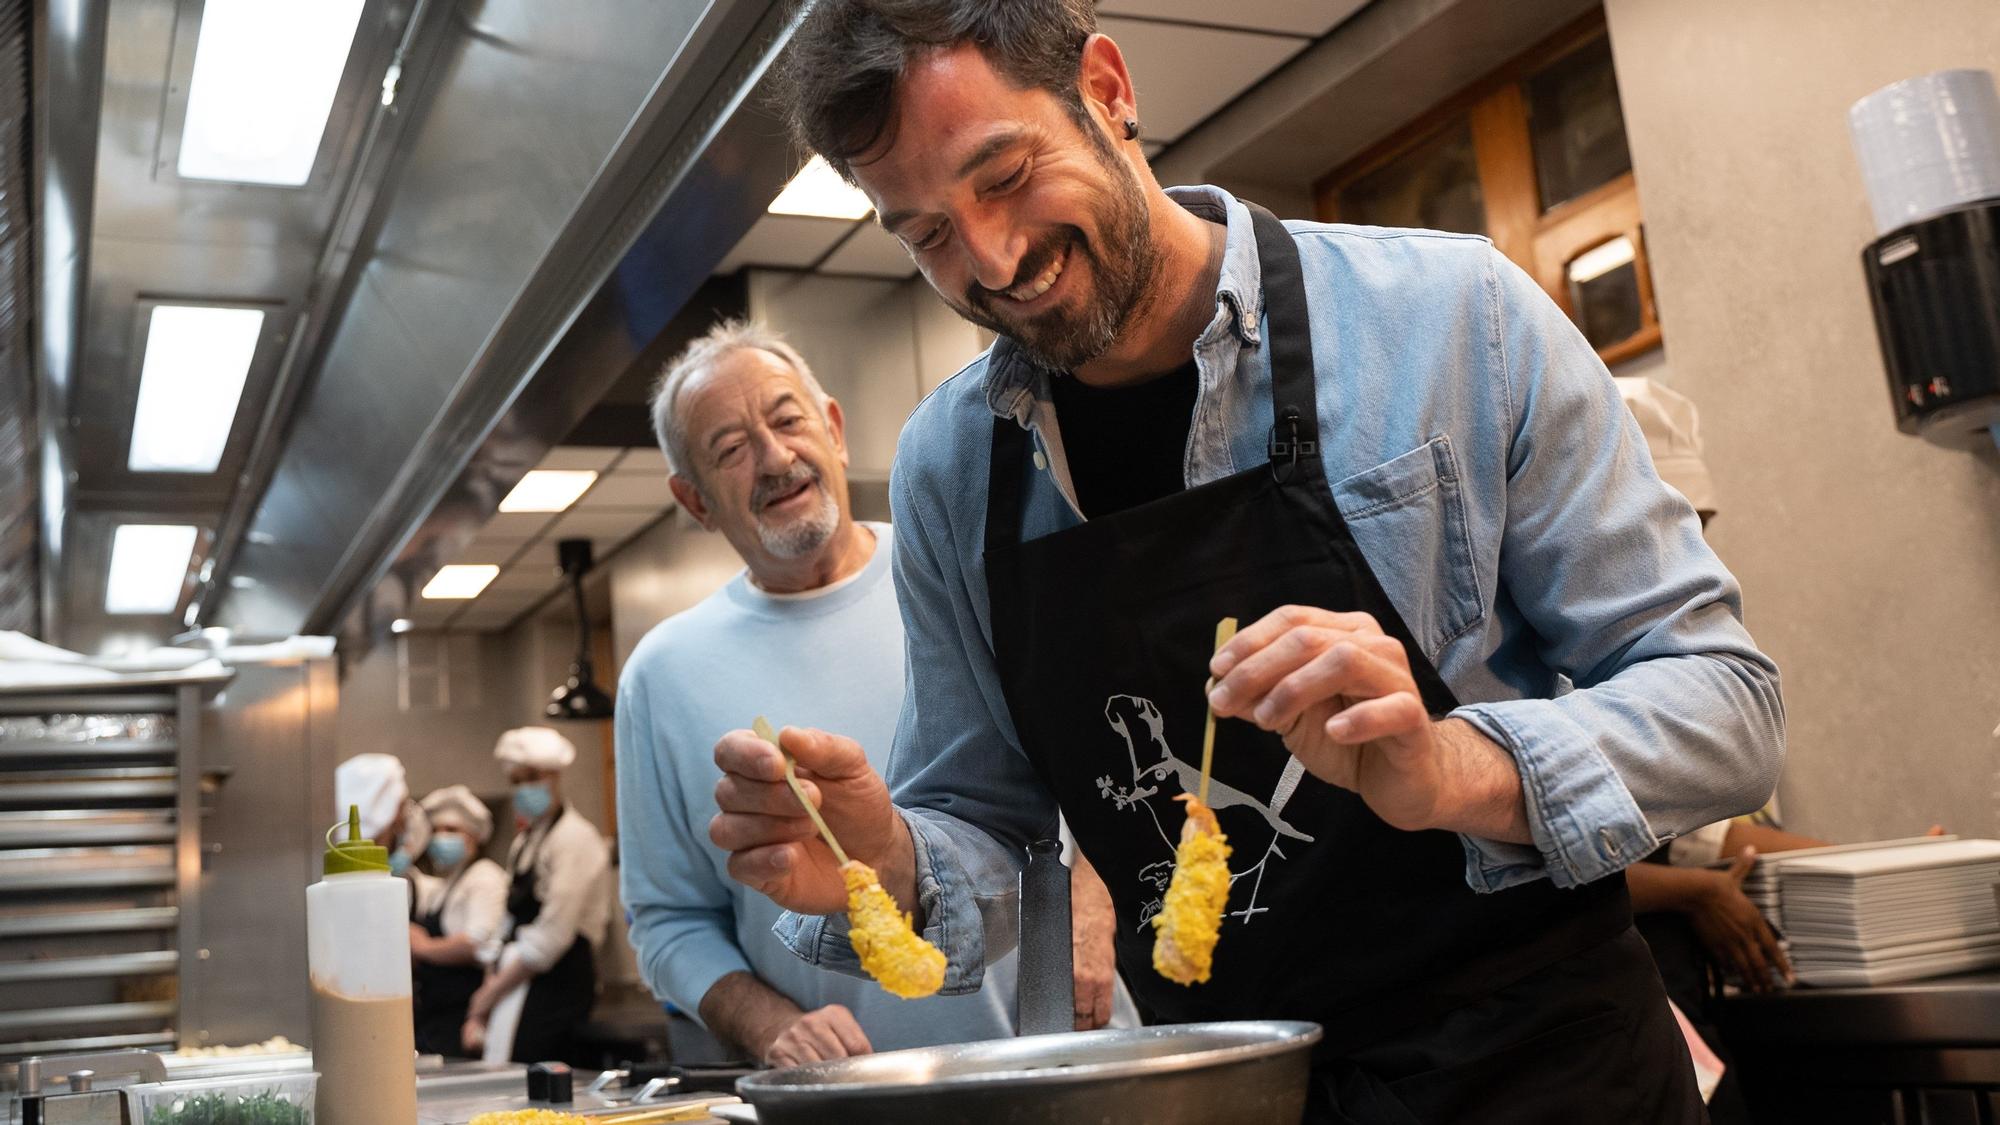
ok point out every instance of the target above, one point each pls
(1870, 560)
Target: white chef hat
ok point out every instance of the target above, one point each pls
(454, 806)
(375, 782)
(1673, 433)
(538, 747)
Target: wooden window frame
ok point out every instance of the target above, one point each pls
(1543, 243)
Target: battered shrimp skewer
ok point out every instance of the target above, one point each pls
(903, 963)
(1190, 919)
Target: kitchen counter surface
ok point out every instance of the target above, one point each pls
(1962, 1010)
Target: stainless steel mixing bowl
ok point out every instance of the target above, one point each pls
(1241, 1072)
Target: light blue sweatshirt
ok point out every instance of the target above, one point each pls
(831, 659)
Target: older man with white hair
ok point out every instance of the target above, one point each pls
(810, 634)
(559, 908)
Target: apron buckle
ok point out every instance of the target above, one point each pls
(1286, 451)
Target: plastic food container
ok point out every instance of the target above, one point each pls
(268, 1099)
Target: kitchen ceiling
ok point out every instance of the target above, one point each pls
(1188, 59)
(628, 496)
(506, 206)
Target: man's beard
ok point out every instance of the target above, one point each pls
(803, 534)
(1121, 271)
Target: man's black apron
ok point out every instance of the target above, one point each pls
(560, 999)
(1437, 1001)
(442, 993)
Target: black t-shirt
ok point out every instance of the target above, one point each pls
(1125, 445)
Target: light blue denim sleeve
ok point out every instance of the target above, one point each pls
(682, 915)
(971, 799)
(1676, 719)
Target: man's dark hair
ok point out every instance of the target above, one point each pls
(838, 82)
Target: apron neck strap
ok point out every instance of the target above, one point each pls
(1294, 441)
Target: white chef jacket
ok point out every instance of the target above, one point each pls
(570, 865)
(475, 903)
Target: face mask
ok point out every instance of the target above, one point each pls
(447, 851)
(532, 799)
(399, 862)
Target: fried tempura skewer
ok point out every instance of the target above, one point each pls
(1190, 918)
(903, 963)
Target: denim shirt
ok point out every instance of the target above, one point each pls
(1500, 490)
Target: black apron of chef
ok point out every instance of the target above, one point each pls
(558, 1000)
(1439, 1003)
(442, 993)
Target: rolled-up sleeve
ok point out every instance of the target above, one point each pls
(1675, 720)
(971, 799)
(683, 918)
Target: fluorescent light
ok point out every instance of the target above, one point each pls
(265, 75)
(548, 490)
(190, 382)
(460, 581)
(819, 192)
(149, 564)
(401, 625)
(1600, 260)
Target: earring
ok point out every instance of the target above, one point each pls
(1131, 128)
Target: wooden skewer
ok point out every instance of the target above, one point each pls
(1224, 630)
(691, 1111)
(764, 731)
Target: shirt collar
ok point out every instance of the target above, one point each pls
(1014, 382)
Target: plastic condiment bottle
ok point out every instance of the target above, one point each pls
(358, 949)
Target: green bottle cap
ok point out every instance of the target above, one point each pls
(356, 853)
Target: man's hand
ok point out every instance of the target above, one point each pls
(821, 1034)
(1094, 961)
(1734, 931)
(1341, 694)
(772, 844)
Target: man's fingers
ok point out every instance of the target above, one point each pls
(1390, 716)
(1774, 951)
(853, 1041)
(1348, 667)
(1260, 633)
(765, 869)
(830, 756)
(735, 832)
(734, 794)
(1739, 868)
(742, 754)
(825, 1040)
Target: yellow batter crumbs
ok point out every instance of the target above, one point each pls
(891, 952)
(1190, 921)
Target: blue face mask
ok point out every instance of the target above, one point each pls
(399, 862)
(447, 851)
(532, 799)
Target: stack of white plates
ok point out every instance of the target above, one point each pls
(1892, 914)
(1764, 889)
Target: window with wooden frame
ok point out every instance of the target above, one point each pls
(1534, 157)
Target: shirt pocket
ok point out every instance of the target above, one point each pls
(1408, 516)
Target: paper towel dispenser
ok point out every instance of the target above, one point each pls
(1929, 149)
(1935, 285)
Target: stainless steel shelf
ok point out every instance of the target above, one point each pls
(90, 922)
(85, 1015)
(102, 750)
(150, 963)
(88, 785)
(88, 880)
(70, 827)
(26, 1047)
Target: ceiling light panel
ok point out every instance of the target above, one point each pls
(460, 581)
(149, 565)
(265, 76)
(548, 490)
(818, 191)
(190, 382)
